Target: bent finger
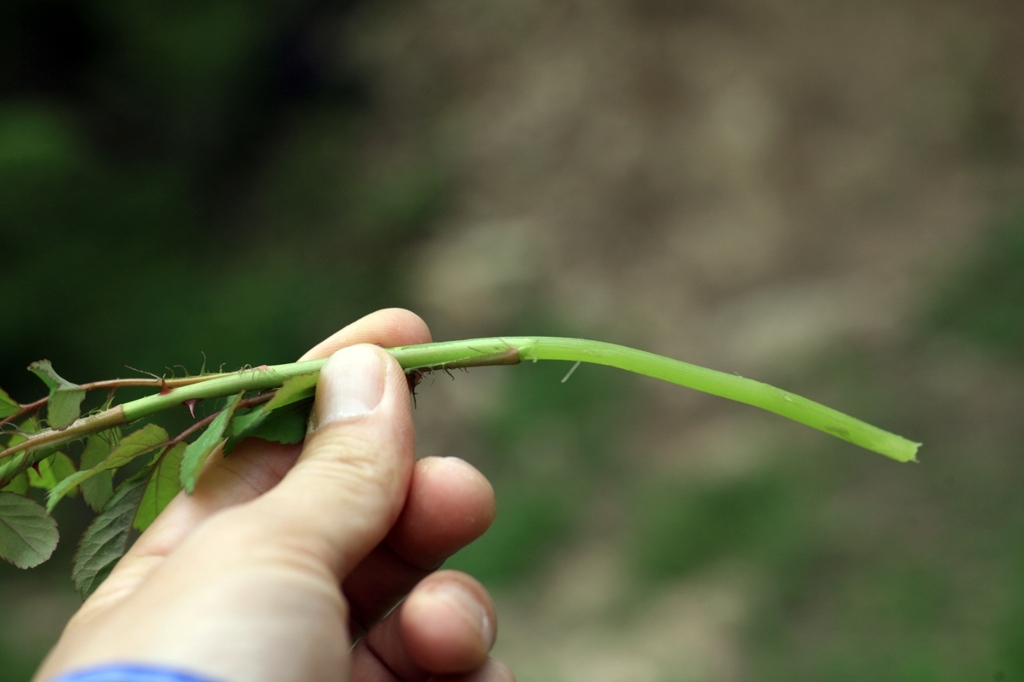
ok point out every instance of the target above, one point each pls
(449, 505)
(446, 625)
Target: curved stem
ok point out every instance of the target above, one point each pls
(511, 350)
(729, 386)
(795, 407)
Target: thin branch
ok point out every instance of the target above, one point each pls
(114, 384)
(25, 409)
(247, 402)
(450, 355)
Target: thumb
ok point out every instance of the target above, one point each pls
(349, 485)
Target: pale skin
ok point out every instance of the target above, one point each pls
(285, 555)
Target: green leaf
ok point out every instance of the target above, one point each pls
(294, 389)
(285, 425)
(28, 535)
(106, 539)
(197, 452)
(44, 370)
(14, 466)
(243, 424)
(163, 485)
(11, 467)
(64, 406)
(131, 446)
(98, 490)
(18, 485)
(7, 405)
(51, 471)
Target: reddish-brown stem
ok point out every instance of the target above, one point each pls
(248, 402)
(114, 384)
(25, 409)
(168, 444)
(115, 417)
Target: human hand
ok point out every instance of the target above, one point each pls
(240, 580)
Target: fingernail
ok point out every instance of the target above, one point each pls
(351, 384)
(469, 606)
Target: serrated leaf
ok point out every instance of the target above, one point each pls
(106, 539)
(44, 370)
(28, 535)
(242, 424)
(198, 451)
(98, 490)
(131, 446)
(64, 407)
(285, 425)
(51, 471)
(7, 405)
(19, 485)
(293, 390)
(163, 485)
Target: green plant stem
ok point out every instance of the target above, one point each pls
(505, 351)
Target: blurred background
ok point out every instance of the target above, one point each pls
(825, 196)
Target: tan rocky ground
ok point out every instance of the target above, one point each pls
(745, 185)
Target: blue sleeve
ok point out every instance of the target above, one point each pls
(123, 672)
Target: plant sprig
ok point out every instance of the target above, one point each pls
(273, 403)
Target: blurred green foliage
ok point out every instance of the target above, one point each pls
(184, 183)
(677, 527)
(984, 302)
(185, 178)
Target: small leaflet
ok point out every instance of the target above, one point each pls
(28, 535)
(275, 420)
(161, 488)
(64, 406)
(131, 446)
(286, 425)
(242, 426)
(198, 451)
(50, 471)
(98, 490)
(293, 390)
(7, 405)
(44, 370)
(106, 539)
